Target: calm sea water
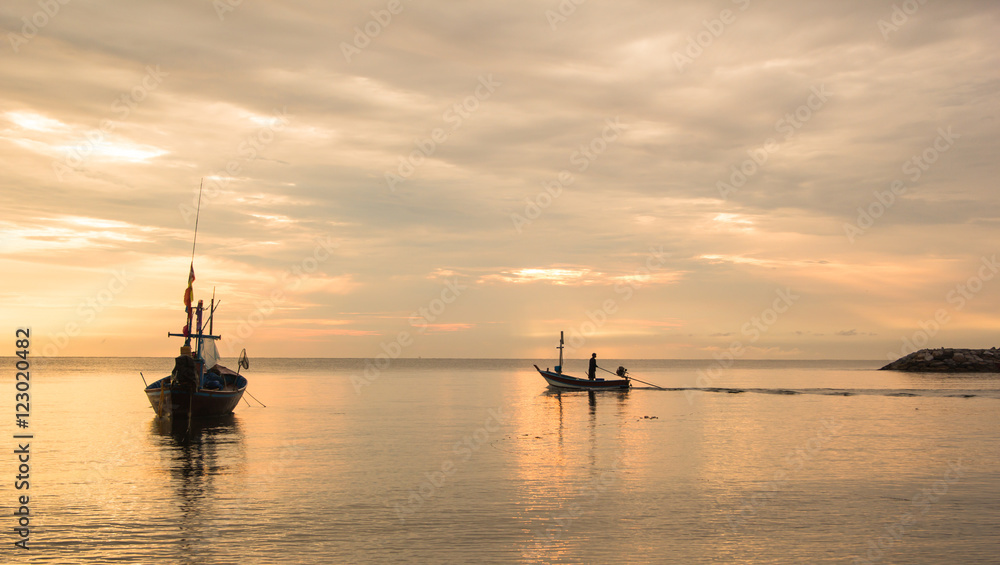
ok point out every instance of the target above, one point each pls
(459, 461)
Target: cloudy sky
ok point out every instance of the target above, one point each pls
(659, 179)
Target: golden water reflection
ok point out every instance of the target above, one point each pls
(568, 448)
(193, 461)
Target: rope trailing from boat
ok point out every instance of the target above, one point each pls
(645, 383)
(633, 378)
(255, 398)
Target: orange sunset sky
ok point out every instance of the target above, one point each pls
(657, 179)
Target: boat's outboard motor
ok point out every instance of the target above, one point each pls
(622, 372)
(184, 373)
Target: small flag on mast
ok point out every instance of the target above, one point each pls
(188, 294)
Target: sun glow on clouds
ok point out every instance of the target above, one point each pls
(98, 223)
(122, 151)
(71, 232)
(34, 122)
(47, 136)
(444, 328)
(737, 259)
(643, 278)
(558, 276)
(442, 274)
(734, 219)
(565, 276)
(268, 199)
(273, 219)
(127, 152)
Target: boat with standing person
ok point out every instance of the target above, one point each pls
(558, 379)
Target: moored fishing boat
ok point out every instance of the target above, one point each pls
(198, 386)
(557, 379)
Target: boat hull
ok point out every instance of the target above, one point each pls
(176, 402)
(559, 380)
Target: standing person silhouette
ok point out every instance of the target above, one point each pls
(592, 370)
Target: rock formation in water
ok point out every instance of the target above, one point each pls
(949, 361)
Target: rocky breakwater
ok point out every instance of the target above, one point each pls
(949, 361)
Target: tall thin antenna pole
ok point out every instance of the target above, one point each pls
(187, 295)
(197, 216)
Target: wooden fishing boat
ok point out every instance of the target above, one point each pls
(171, 401)
(198, 386)
(557, 379)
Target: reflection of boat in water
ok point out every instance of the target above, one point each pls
(558, 379)
(204, 430)
(195, 476)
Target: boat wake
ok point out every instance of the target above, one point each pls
(904, 393)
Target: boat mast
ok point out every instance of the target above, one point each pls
(199, 358)
(194, 244)
(560, 348)
(201, 309)
(197, 332)
(211, 311)
(197, 216)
